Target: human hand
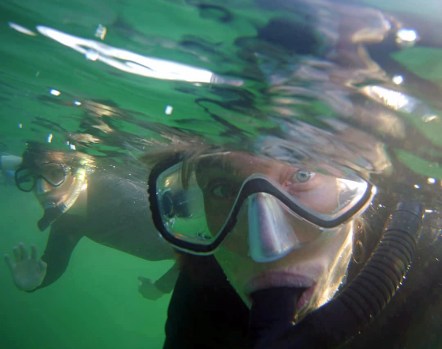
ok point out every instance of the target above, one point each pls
(27, 270)
(148, 289)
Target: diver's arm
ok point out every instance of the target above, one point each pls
(167, 282)
(63, 237)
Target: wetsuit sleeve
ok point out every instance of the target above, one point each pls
(63, 237)
(167, 282)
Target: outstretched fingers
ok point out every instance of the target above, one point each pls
(9, 262)
(23, 251)
(19, 252)
(33, 252)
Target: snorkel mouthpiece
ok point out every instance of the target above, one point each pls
(52, 212)
(273, 311)
(271, 237)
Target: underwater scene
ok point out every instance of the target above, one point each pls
(236, 174)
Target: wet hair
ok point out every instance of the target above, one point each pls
(38, 153)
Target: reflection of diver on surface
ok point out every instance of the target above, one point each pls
(108, 209)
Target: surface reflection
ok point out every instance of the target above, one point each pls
(316, 82)
(131, 62)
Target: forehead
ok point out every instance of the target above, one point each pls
(236, 163)
(239, 166)
(39, 159)
(240, 160)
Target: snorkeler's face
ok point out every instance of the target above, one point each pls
(317, 258)
(270, 223)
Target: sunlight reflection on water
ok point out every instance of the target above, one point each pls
(274, 77)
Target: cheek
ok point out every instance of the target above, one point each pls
(216, 211)
(236, 265)
(335, 263)
(233, 255)
(237, 239)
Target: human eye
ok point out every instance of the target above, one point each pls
(302, 176)
(300, 180)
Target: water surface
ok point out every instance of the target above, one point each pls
(114, 79)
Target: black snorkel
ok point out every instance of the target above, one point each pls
(272, 309)
(361, 301)
(51, 213)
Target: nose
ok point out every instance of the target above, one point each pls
(42, 187)
(271, 236)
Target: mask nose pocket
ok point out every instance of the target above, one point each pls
(271, 236)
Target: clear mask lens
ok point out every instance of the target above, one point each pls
(199, 200)
(181, 206)
(24, 179)
(53, 173)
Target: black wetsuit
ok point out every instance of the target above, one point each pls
(117, 216)
(205, 312)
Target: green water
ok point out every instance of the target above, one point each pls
(96, 304)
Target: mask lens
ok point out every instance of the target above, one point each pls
(198, 199)
(323, 196)
(54, 174)
(24, 179)
(181, 205)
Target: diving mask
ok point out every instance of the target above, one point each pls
(52, 172)
(195, 202)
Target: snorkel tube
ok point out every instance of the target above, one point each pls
(364, 298)
(53, 210)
